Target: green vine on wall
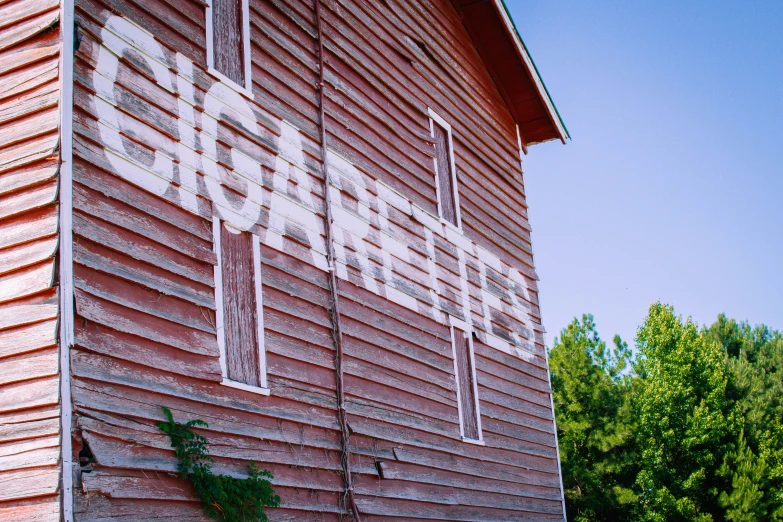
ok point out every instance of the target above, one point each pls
(225, 498)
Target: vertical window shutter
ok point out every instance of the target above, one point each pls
(240, 309)
(228, 41)
(467, 392)
(446, 187)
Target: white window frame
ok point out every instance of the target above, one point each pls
(219, 319)
(436, 118)
(247, 88)
(468, 329)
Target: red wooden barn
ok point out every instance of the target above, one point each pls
(301, 221)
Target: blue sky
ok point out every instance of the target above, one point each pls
(672, 187)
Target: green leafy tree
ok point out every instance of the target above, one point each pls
(685, 423)
(590, 392)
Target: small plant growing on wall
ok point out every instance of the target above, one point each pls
(224, 498)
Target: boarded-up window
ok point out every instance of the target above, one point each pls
(240, 319)
(227, 28)
(466, 384)
(448, 199)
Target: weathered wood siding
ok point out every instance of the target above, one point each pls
(29, 384)
(157, 153)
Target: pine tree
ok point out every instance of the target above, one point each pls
(590, 391)
(755, 469)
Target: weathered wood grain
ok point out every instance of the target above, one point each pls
(44, 509)
(141, 248)
(145, 330)
(25, 255)
(98, 257)
(122, 319)
(29, 359)
(142, 223)
(114, 187)
(27, 483)
(13, 180)
(28, 429)
(26, 281)
(29, 394)
(18, 28)
(33, 225)
(106, 341)
(43, 363)
(240, 307)
(30, 453)
(417, 473)
(143, 299)
(227, 23)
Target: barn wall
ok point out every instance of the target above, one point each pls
(152, 169)
(29, 384)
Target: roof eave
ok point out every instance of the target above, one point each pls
(530, 65)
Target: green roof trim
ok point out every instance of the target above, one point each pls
(521, 41)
